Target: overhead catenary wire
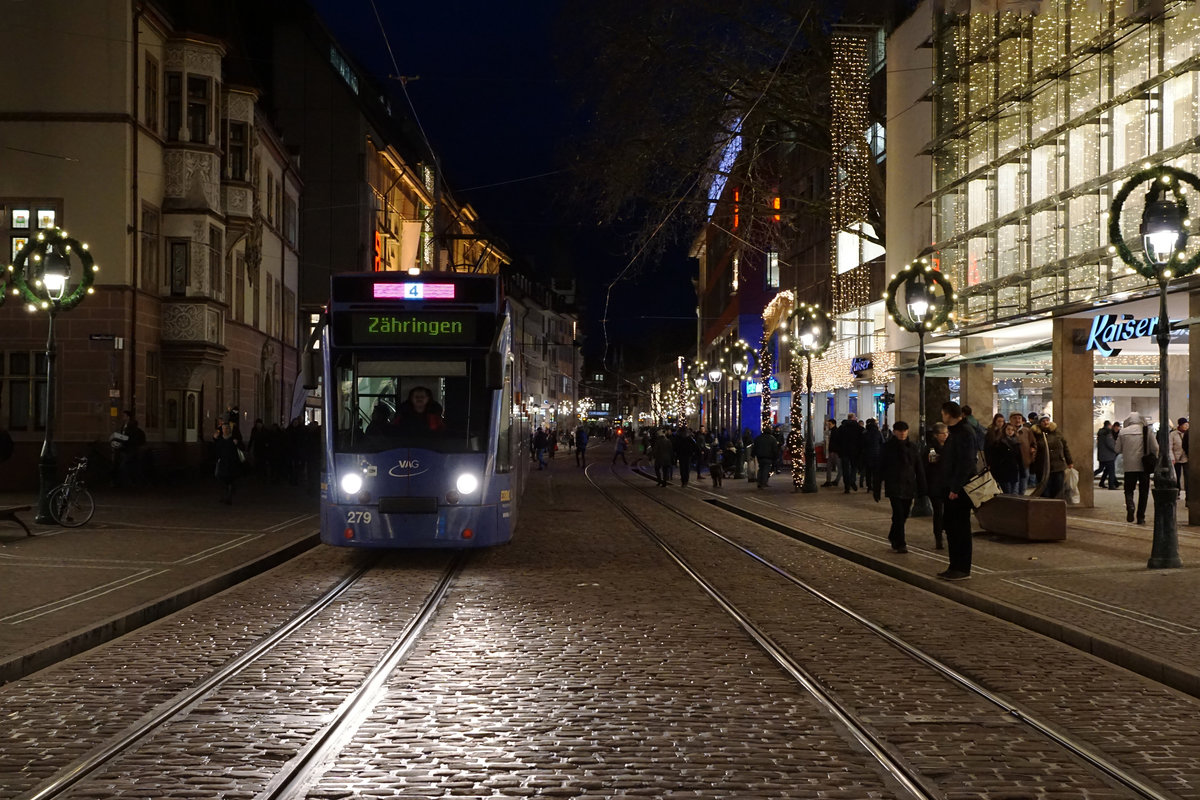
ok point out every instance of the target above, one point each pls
(670, 213)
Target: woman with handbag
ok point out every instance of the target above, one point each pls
(1139, 448)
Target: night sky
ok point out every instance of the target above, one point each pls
(484, 82)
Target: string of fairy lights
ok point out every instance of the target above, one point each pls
(850, 155)
(676, 400)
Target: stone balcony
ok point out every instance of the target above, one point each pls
(193, 330)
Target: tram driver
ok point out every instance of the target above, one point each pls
(420, 413)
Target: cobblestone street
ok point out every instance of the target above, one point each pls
(581, 661)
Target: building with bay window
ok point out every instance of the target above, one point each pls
(146, 141)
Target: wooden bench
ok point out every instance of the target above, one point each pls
(9, 514)
(1037, 519)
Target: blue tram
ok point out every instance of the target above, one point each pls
(421, 440)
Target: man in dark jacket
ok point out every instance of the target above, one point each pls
(903, 476)
(766, 451)
(581, 440)
(850, 447)
(685, 450)
(958, 467)
(664, 457)
(1106, 454)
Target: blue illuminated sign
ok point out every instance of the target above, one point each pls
(755, 387)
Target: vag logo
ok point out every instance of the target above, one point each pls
(407, 468)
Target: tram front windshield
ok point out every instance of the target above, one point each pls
(389, 404)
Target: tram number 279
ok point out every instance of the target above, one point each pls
(358, 516)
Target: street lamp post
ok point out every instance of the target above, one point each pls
(920, 299)
(41, 273)
(812, 333)
(1164, 231)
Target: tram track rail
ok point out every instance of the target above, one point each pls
(299, 769)
(896, 767)
(1178, 674)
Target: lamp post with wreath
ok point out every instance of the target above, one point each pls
(1164, 230)
(919, 299)
(812, 333)
(742, 363)
(41, 274)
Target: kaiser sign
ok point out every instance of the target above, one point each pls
(1109, 328)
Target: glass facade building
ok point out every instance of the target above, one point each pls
(1037, 121)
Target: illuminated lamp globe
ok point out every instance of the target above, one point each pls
(55, 272)
(1163, 232)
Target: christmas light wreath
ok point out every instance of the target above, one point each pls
(941, 311)
(35, 250)
(820, 324)
(1117, 244)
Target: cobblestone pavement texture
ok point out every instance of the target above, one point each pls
(1136, 722)
(143, 555)
(539, 679)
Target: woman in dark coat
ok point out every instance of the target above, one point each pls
(872, 452)
(1003, 454)
(935, 479)
(903, 477)
(229, 460)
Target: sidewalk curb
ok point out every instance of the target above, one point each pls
(29, 661)
(1164, 671)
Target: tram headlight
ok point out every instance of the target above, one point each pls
(467, 483)
(352, 483)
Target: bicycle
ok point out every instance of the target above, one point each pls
(71, 504)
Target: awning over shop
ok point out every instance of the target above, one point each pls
(1019, 351)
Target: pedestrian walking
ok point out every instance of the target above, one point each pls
(1106, 455)
(766, 451)
(1138, 447)
(127, 442)
(850, 446)
(1055, 456)
(751, 463)
(581, 442)
(621, 446)
(902, 475)
(664, 458)
(715, 459)
(229, 457)
(872, 453)
(685, 452)
(541, 442)
(1179, 452)
(832, 471)
(936, 482)
(958, 467)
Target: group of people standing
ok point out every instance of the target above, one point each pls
(940, 470)
(667, 448)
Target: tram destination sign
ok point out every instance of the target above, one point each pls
(437, 328)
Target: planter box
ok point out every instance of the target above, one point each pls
(1034, 518)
